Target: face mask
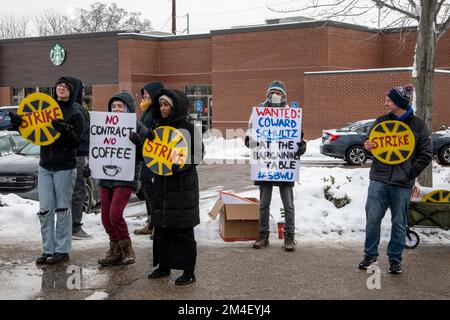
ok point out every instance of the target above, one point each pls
(276, 101)
(145, 104)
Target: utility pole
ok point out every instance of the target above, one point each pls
(174, 17)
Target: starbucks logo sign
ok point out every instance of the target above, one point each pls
(57, 54)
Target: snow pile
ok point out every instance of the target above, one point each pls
(98, 296)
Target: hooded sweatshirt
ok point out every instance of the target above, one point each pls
(61, 155)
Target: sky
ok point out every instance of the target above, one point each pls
(205, 15)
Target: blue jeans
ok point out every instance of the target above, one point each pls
(55, 198)
(287, 197)
(382, 196)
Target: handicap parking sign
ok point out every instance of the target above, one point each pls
(199, 105)
(294, 104)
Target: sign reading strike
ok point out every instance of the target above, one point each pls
(168, 147)
(394, 142)
(37, 111)
(277, 131)
(111, 153)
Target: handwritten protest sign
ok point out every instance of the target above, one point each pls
(394, 142)
(168, 147)
(37, 111)
(276, 131)
(111, 153)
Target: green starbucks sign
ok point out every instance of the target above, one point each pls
(58, 54)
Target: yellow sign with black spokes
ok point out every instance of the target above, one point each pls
(168, 147)
(37, 111)
(437, 196)
(394, 142)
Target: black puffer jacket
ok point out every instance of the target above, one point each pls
(153, 88)
(61, 155)
(175, 199)
(140, 129)
(403, 174)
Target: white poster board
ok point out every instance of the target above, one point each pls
(111, 153)
(276, 131)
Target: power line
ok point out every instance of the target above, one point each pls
(237, 11)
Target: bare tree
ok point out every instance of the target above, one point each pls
(13, 27)
(101, 17)
(432, 18)
(52, 23)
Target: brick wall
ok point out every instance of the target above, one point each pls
(101, 95)
(5, 96)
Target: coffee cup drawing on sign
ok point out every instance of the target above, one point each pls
(111, 170)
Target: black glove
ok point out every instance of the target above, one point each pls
(61, 126)
(86, 172)
(16, 121)
(301, 148)
(135, 138)
(150, 135)
(175, 168)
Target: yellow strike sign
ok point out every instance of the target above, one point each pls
(394, 142)
(169, 147)
(437, 196)
(37, 111)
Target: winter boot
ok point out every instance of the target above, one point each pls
(187, 277)
(127, 251)
(148, 229)
(113, 256)
(289, 242)
(262, 241)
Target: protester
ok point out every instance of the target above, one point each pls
(391, 185)
(115, 195)
(276, 98)
(175, 198)
(57, 173)
(148, 94)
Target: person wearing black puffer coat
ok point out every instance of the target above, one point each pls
(175, 198)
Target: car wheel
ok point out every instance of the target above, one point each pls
(87, 205)
(444, 155)
(356, 155)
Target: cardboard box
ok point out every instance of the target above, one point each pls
(239, 217)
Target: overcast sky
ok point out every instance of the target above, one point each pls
(205, 15)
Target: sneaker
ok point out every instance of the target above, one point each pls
(43, 259)
(81, 235)
(159, 272)
(395, 267)
(185, 278)
(57, 258)
(367, 262)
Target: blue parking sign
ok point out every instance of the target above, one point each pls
(294, 104)
(198, 105)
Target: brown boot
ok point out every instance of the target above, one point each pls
(145, 230)
(289, 242)
(127, 251)
(113, 256)
(262, 241)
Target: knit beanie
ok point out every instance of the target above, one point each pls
(168, 99)
(401, 96)
(279, 86)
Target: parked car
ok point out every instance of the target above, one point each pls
(5, 120)
(10, 142)
(18, 174)
(348, 143)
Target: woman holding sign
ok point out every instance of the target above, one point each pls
(175, 194)
(115, 195)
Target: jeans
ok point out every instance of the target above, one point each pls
(114, 202)
(55, 190)
(287, 196)
(382, 196)
(79, 195)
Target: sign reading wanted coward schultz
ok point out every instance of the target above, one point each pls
(277, 131)
(111, 153)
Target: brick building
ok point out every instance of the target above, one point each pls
(338, 72)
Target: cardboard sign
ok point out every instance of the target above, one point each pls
(437, 196)
(394, 142)
(111, 153)
(277, 131)
(37, 111)
(168, 147)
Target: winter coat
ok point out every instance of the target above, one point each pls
(404, 174)
(175, 198)
(140, 129)
(61, 155)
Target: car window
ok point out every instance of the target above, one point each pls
(19, 141)
(30, 150)
(5, 145)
